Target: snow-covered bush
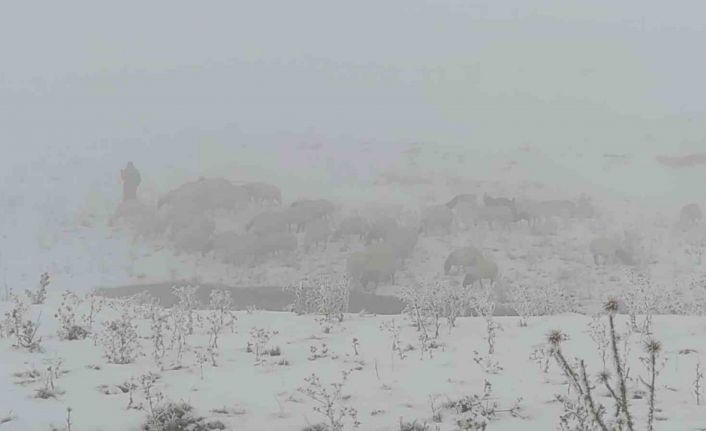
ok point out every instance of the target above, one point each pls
(94, 305)
(220, 316)
(178, 417)
(328, 401)
(40, 295)
(484, 306)
(598, 331)
(477, 411)
(120, 340)
(392, 328)
(159, 327)
(49, 389)
(181, 322)
(530, 300)
(187, 304)
(67, 316)
(324, 294)
(428, 304)
(259, 338)
(640, 299)
(413, 426)
(24, 329)
(585, 411)
(170, 416)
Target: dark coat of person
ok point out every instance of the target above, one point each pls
(131, 180)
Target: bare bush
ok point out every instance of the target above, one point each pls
(329, 401)
(325, 294)
(585, 412)
(38, 296)
(120, 340)
(220, 316)
(20, 326)
(67, 315)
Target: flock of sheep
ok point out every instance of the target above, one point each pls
(186, 216)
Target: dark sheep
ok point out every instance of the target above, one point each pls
(461, 258)
(375, 265)
(352, 226)
(465, 198)
(263, 193)
(438, 218)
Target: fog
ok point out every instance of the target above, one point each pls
(553, 74)
(207, 206)
(186, 90)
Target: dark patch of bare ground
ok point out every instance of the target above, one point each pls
(271, 298)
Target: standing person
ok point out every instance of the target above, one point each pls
(131, 179)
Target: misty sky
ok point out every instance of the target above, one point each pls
(617, 76)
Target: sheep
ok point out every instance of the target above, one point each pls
(375, 264)
(206, 194)
(194, 234)
(231, 247)
(465, 198)
(483, 269)
(690, 215)
(303, 211)
(462, 257)
(490, 201)
(267, 222)
(316, 232)
(493, 215)
(262, 193)
(437, 218)
(607, 250)
(379, 229)
(352, 225)
(402, 240)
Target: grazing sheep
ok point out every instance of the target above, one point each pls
(584, 207)
(375, 264)
(352, 225)
(263, 193)
(142, 219)
(318, 207)
(267, 222)
(536, 212)
(379, 228)
(690, 215)
(483, 269)
(490, 201)
(461, 258)
(275, 244)
(206, 194)
(465, 198)
(193, 235)
(494, 215)
(304, 211)
(465, 215)
(438, 218)
(317, 232)
(558, 208)
(607, 250)
(231, 247)
(402, 240)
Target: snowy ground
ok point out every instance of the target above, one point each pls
(382, 387)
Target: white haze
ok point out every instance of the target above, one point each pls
(572, 79)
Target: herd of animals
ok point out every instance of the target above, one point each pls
(383, 240)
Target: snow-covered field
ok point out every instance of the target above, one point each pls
(64, 230)
(382, 386)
